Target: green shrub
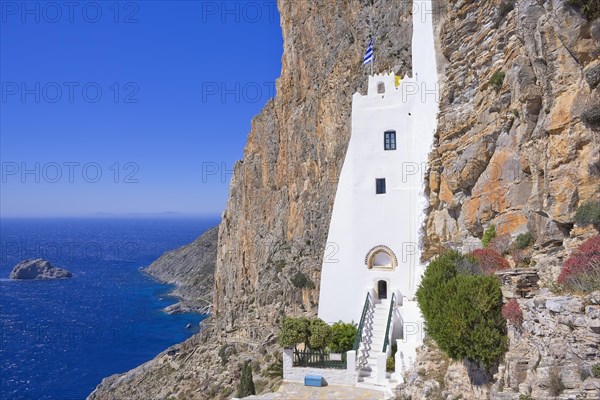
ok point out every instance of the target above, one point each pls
(524, 240)
(224, 352)
(274, 370)
(497, 80)
(390, 364)
(469, 265)
(596, 370)
(342, 337)
(588, 214)
(463, 312)
(589, 8)
(555, 384)
(505, 8)
(301, 281)
(294, 331)
(525, 397)
(246, 386)
(280, 265)
(319, 334)
(488, 235)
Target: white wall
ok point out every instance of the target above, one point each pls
(361, 219)
(332, 376)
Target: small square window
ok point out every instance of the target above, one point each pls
(380, 186)
(389, 140)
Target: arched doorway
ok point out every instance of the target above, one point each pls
(381, 290)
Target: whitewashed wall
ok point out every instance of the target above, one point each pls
(362, 219)
(332, 376)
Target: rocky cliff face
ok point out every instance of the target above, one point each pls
(518, 140)
(552, 354)
(191, 268)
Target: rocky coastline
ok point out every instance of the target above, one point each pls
(191, 269)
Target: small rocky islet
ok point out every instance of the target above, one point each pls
(38, 269)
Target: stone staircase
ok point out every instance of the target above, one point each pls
(372, 343)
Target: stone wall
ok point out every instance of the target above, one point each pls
(519, 283)
(556, 346)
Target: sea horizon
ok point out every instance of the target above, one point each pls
(60, 338)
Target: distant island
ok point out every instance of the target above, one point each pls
(38, 269)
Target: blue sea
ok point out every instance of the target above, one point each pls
(61, 337)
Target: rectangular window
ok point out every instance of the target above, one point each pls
(380, 186)
(389, 140)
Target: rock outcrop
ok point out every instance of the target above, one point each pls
(191, 268)
(38, 269)
(517, 142)
(552, 354)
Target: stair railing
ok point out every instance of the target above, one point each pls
(389, 322)
(359, 332)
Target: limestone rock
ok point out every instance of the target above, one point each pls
(557, 341)
(521, 156)
(38, 269)
(191, 268)
(592, 73)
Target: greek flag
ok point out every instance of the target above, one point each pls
(369, 53)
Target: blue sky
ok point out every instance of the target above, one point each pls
(129, 107)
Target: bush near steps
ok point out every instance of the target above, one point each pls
(317, 334)
(462, 308)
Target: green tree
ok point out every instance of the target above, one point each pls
(246, 387)
(294, 331)
(342, 337)
(320, 334)
(463, 312)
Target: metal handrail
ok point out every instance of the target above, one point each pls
(358, 336)
(389, 321)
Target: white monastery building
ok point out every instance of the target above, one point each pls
(372, 275)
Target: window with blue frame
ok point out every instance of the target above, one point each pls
(380, 186)
(389, 140)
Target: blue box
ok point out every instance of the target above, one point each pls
(313, 380)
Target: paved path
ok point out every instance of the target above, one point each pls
(297, 391)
